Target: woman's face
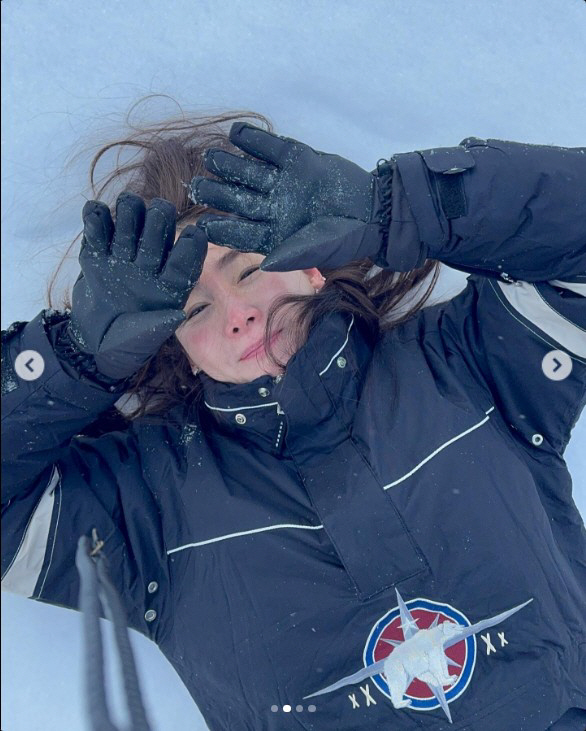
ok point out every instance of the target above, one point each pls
(227, 311)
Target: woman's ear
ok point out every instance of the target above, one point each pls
(193, 367)
(316, 279)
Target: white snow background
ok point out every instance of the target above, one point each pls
(361, 79)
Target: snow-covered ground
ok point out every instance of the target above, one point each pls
(362, 79)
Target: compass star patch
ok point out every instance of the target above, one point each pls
(421, 654)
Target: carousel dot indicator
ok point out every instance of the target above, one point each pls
(287, 708)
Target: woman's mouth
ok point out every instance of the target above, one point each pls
(257, 349)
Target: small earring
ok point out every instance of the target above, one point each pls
(195, 370)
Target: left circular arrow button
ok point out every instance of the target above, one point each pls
(29, 365)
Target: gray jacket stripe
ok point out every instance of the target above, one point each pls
(574, 286)
(26, 566)
(527, 301)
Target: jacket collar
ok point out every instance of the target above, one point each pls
(311, 404)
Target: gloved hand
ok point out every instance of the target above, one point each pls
(134, 282)
(300, 207)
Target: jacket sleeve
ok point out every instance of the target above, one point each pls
(514, 337)
(58, 485)
(514, 217)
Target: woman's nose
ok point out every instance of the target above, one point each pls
(240, 316)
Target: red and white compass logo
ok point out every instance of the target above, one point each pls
(421, 654)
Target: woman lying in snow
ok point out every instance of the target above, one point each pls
(323, 494)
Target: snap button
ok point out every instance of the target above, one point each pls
(240, 419)
(537, 439)
(152, 587)
(150, 615)
(341, 361)
(264, 392)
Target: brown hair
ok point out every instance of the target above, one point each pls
(165, 156)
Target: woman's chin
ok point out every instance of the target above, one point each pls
(264, 367)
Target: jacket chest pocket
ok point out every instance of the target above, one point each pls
(362, 522)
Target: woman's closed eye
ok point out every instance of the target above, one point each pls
(248, 272)
(199, 308)
(195, 311)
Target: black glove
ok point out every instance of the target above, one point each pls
(134, 282)
(300, 207)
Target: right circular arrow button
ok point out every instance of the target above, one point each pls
(556, 365)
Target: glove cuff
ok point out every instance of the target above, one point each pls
(383, 207)
(83, 364)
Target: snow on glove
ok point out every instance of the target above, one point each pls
(134, 282)
(299, 207)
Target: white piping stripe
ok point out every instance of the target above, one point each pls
(439, 449)
(341, 349)
(243, 533)
(40, 594)
(25, 569)
(319, 527)
(527, 301)
(574, 286)
(241, 408)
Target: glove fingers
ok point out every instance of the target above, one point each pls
(130, 216)
(186, 260)
(158, 235)
(253, 174)
(98, 228)
(236, 233)
(264, 145)
(230, 198)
